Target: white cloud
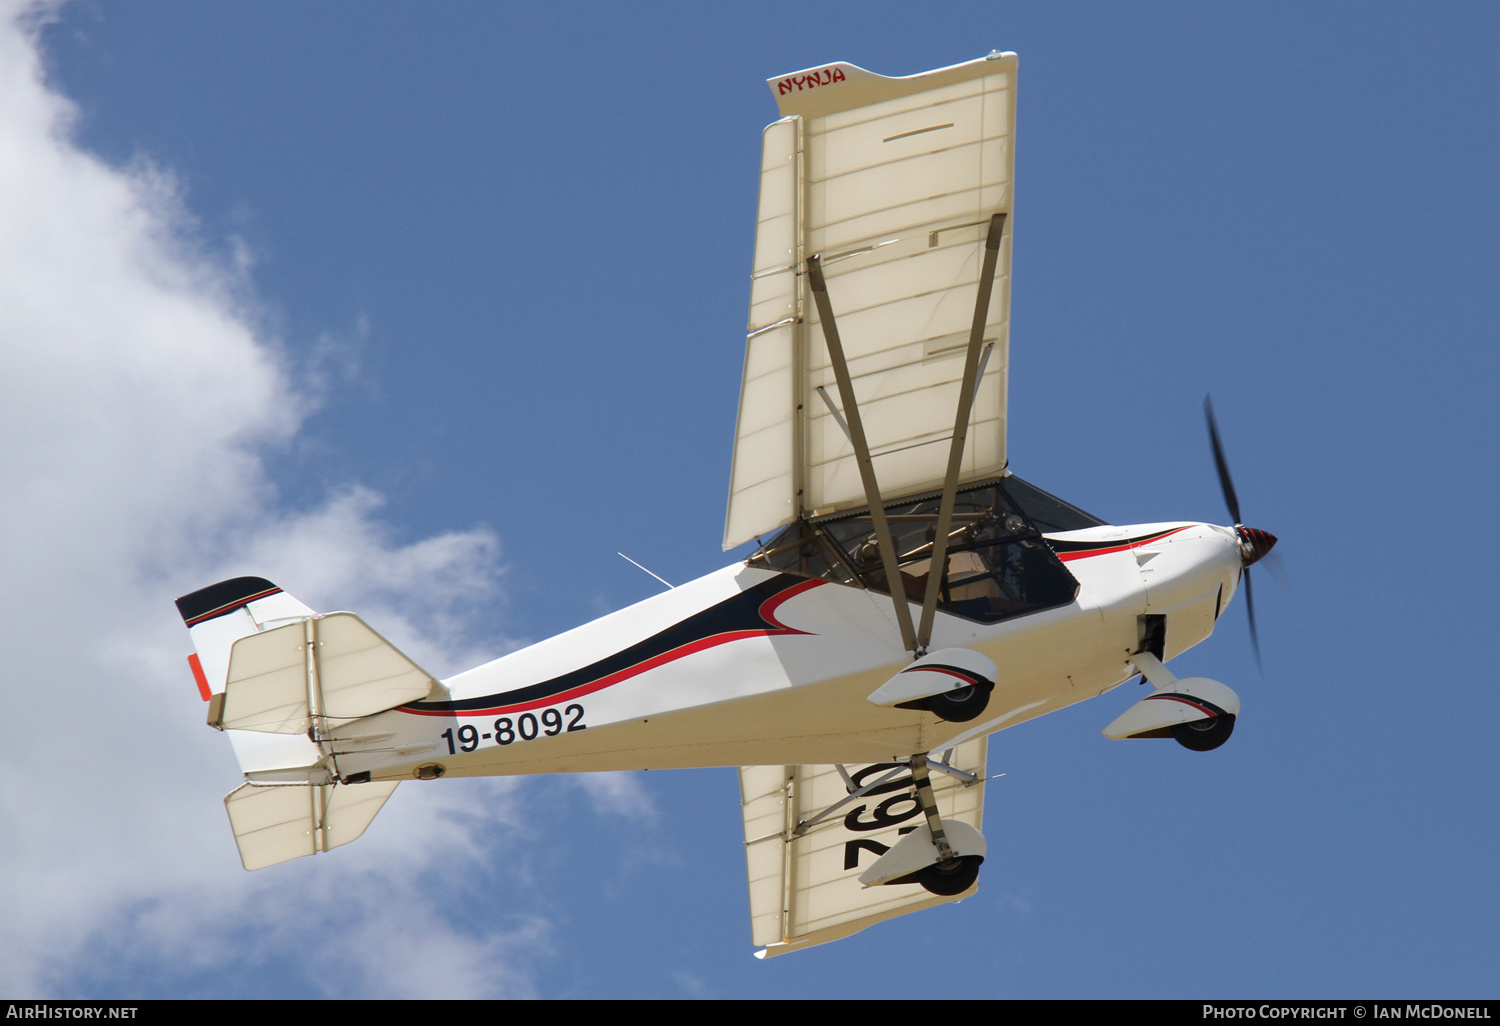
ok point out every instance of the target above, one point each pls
(619, 793)
(137, 391)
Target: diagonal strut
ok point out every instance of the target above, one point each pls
(861, 452)
(938, 567)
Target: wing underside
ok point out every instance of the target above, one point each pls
(893, 182)
(804, 888)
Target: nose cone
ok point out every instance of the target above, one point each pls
(1254, 544)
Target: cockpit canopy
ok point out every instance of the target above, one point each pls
(999, 565)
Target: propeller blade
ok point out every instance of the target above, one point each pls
(1254, 544)
(1250, 609)
(1230, 499)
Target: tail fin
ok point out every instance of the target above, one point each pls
(221, 614)
(277, 676)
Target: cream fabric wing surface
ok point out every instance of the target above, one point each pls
(806, 890)
(893, 181)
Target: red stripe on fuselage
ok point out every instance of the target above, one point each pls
(1068, 557)
(769, 606)
(767, 613)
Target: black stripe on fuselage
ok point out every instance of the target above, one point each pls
(739, 613)
(1064, 547)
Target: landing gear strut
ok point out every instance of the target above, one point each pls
(953, 873)
(943, 858)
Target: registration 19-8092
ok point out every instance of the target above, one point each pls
(525, 727)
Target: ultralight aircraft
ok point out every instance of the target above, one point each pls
(853, 686)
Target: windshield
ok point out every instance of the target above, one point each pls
(998, 564)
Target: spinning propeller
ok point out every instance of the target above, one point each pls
(1254, 544)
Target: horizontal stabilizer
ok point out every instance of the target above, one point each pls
(353, 672)
(286, 821)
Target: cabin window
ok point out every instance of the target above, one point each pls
(1049, 513)
(998, 564)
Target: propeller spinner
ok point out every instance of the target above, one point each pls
(1254, 543)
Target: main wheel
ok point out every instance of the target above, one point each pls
(960, 706)
(952, 877)
(1204, 735)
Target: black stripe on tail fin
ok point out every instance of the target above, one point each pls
(224, 597)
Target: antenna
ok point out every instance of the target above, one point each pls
(632, 562)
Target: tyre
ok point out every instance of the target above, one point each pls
(1204, 735)
(952, 877)
(960, 706)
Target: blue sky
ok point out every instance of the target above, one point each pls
(472, 284)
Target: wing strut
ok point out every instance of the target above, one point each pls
(939, 564)
(862, 449)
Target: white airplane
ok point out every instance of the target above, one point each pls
(870, 447)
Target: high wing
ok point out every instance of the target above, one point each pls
(893, 181)
(804, 888)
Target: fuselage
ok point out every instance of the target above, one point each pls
(749, 666)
